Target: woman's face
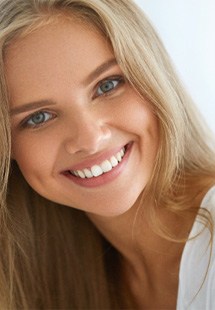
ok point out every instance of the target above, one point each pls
(81, 135)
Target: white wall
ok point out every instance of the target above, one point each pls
(187, 30)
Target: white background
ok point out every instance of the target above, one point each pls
(187, 28)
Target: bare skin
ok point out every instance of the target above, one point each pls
(82, 125)
(150, 263)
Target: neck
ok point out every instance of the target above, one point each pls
(133, 236)
(148, 260)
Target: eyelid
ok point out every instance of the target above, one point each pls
(118, 77)
(23, 123)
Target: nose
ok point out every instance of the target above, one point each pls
(87, 134)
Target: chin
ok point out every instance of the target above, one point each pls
(114, 210)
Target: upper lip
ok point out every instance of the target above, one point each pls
(96, 160)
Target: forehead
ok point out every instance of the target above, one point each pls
(64, 51)
(61, 34)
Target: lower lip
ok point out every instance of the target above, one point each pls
(105, 177)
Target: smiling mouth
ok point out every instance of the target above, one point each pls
(102, 168)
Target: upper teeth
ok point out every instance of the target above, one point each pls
(97, 170)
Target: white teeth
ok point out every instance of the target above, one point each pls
(96, 170)
(104, 167)
(81, 174)
(122, 152)
(119, 157)
(88, 173)
(114, 161)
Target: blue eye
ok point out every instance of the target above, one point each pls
(38, 119)
(108, 85)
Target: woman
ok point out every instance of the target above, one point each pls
(105, 164)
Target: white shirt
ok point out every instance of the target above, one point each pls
(197, 270)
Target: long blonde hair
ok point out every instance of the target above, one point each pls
(43, 261)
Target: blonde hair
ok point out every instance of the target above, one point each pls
(43, 265)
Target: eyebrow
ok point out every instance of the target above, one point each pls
(47, 102)
(99, 70)
(31, 106)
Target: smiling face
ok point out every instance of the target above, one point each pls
(81, 135)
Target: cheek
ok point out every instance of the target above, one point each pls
(33, 157)
(135, 115)
(141, 121)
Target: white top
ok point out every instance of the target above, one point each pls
(196, 284)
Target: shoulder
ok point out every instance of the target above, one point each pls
(197, 269)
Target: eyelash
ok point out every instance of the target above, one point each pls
(117, 79)
(116, 82)
(26, 122)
